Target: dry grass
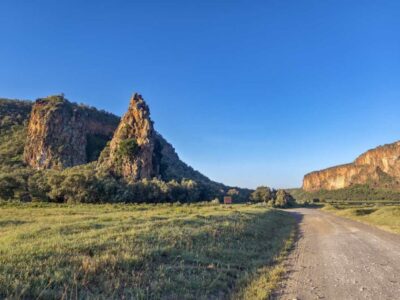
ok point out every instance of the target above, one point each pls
(385, 217)
(141, 251)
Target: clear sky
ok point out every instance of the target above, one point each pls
(248, 92)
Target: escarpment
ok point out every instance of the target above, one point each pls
(379, 166)
(62, 134)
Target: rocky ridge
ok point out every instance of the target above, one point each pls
(62, 134)
(379, 167)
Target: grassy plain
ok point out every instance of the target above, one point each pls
(385, 217)
(141, 251)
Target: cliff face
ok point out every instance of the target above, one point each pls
(386, 158)
(62, 134)
(377, 166)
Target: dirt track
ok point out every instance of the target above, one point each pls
(336, 258)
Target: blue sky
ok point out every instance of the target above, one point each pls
(248, 92)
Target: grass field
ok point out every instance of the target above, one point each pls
(385, 217)
(141, 251)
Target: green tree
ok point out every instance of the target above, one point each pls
(261, 194)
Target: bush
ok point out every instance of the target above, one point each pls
(283, 199)
(262, 194)
(128, 147)
(8, 185)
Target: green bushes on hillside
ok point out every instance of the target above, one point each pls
(84, 183)
(13, 112)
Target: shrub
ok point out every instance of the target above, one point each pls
(128, 147)
(8, 185)
(262, 194)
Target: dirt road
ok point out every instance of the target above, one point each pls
(336, 258)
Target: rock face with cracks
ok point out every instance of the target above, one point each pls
(379, 166)
(131, 151)
(62, 134)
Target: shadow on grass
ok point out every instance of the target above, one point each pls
(5, 223)
(217, 261)
(201, 257)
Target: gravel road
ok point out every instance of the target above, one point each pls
(337, 258)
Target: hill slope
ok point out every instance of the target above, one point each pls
(49, 152)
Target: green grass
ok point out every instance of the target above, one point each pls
(359, 193)
(141, 251)
(385, 217)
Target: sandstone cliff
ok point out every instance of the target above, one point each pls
(379, 167)
(62, 134)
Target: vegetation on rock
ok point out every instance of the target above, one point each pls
(128, 147)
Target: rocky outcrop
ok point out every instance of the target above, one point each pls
(131, 150)
(62, 134)
(137, 151)
(379, 166)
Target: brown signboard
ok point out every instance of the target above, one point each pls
(227, 200)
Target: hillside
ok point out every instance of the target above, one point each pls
(56, 150)
(378, 168)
